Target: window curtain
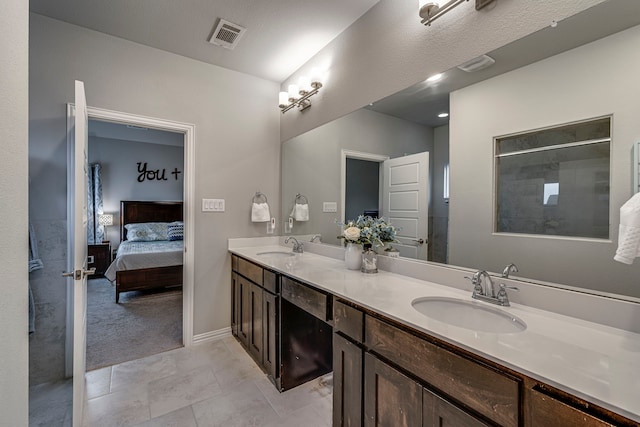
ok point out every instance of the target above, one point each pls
(95, 231)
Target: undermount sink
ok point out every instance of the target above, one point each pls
(468, 315)
(276, 254)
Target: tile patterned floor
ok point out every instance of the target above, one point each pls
(207, 385)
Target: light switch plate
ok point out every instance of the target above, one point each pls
(212, 205)
(329, 207)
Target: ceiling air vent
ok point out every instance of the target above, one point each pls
(477, 64)
(227, 34)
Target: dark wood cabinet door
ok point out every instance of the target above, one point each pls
(244, 312)
(545, 410)
(255, 326)
(270, 334)
(437, 412)
(390, 398)
(347, 383)
(235, 304)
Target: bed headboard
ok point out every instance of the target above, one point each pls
(132, 212)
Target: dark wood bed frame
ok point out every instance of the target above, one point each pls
(147, 278)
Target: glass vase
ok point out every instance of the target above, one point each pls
(369, 261)
(353, 256)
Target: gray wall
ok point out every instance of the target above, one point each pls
(237, 152)
(591, 81)
(311, 162)
(388, 49)
(14, 39)
(119, 160)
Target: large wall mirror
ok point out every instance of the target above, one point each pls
(584, 68)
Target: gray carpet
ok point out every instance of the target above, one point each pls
(142, 324)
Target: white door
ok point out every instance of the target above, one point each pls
(78, 276)
(405, 202)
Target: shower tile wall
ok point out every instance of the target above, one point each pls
(46, 345)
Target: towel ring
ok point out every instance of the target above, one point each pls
(302, 199)
(259, 198)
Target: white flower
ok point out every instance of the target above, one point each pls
(352, 233)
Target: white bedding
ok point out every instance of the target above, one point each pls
(137, 255)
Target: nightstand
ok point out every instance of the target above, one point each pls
(99, 257)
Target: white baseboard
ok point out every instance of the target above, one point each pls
(212, 335)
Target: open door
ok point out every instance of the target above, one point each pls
(405, 202)
(78, 275)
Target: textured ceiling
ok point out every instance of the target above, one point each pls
(281, 34)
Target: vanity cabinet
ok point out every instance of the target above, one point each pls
(283, 324)
(384, 375)
(254, 314)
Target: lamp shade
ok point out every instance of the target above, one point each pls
(283, 99)
(105, 219)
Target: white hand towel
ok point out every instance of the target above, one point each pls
(260, 212)
(629, 233)
(301, 212)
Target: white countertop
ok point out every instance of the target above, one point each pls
(598, 363)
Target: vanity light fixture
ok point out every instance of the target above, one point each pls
(298, 95)
(430, 10)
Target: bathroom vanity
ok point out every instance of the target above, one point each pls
(395, 366)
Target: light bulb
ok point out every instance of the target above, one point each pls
(283, 99)
(316, 77)
(434, 78)
(443, 115)
(305, 85)
(293, 92)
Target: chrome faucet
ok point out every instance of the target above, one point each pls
(297, 246)
(487, 292)
(317, 236)
(509, 269)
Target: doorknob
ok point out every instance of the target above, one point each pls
(79, 274)
(419, 241)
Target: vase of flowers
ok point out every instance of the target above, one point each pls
(365, 231)
(353, 256)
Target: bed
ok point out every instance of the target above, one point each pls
(142, 265)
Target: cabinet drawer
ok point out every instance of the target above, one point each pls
(544, 410)
(348, 320)
(270, 282)
(310, 300)
(250, 270)
(490, 393)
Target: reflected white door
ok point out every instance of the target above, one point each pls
(79, 273)
(405, 202)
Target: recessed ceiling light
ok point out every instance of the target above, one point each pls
(434, 78)
(443, 115)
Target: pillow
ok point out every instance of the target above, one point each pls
(147, 231)
(175, 230)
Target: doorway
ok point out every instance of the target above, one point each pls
(187, 131)
(397, 189)
(130, 163)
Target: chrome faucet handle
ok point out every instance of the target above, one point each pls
(502, 297)
(477, 286)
